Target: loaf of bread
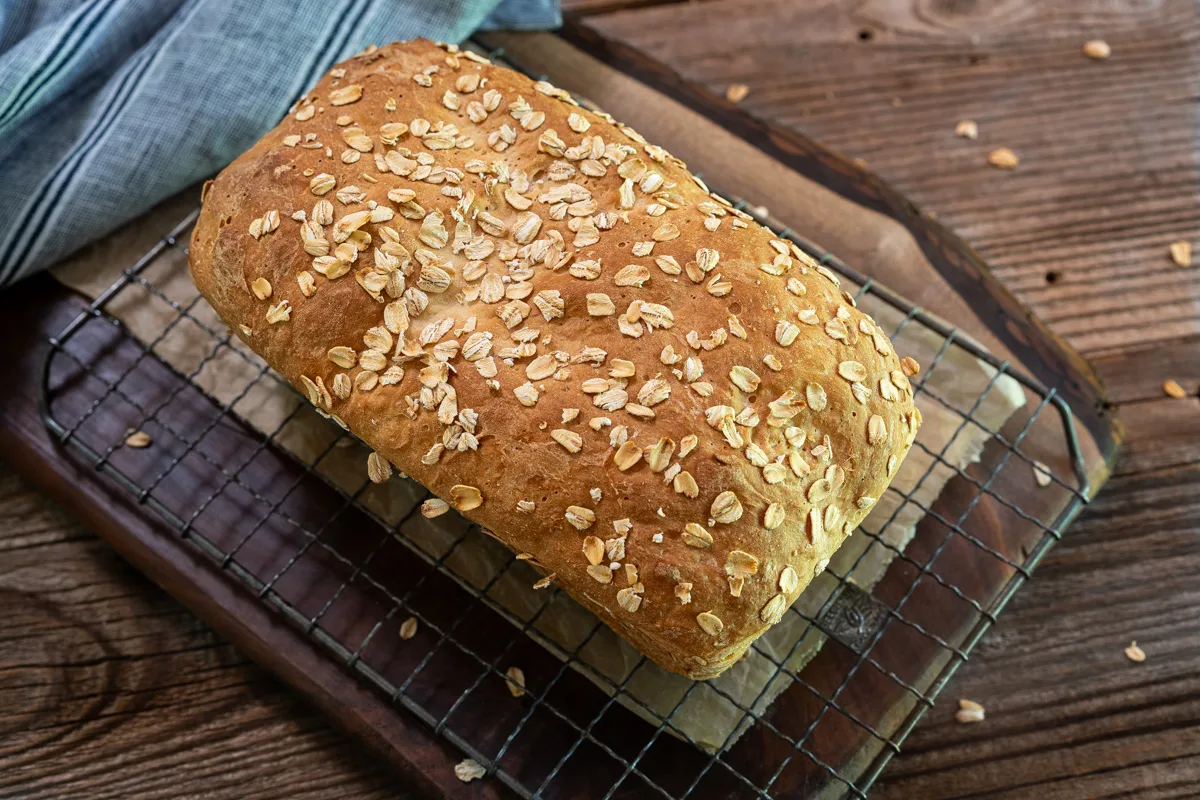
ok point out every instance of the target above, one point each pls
(551, 324)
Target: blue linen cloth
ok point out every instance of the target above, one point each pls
(109, 106)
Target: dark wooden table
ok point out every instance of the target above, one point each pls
(110, 688)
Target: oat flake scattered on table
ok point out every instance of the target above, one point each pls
(468, 770)
(967, 129)
(1097, 49)
(1041, 473)
(138, 439)
(515, 681)
(1181, 253)
(1173, 389)
(1134, 653)
(969, 711)
(1003, 158)
(737, 92)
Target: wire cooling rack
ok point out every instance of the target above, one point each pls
(354, 580)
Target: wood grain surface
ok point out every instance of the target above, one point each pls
(109, 688)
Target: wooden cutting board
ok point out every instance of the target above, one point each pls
(831, 200)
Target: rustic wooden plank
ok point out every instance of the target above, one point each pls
(1108, 148)
(1068, 715)
(1162, 433)
(107, 685)
(1132, 375)
(588, 7)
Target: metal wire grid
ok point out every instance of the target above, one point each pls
(351, 656)
(351, 653)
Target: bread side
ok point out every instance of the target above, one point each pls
(553, 326)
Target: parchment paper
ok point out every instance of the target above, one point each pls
(714, 713)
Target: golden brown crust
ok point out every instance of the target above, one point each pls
(718, 289)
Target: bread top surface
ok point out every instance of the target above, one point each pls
(557, 329)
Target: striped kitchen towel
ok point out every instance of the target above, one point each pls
(109, 106)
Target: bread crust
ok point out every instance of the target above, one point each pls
(428, 373)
